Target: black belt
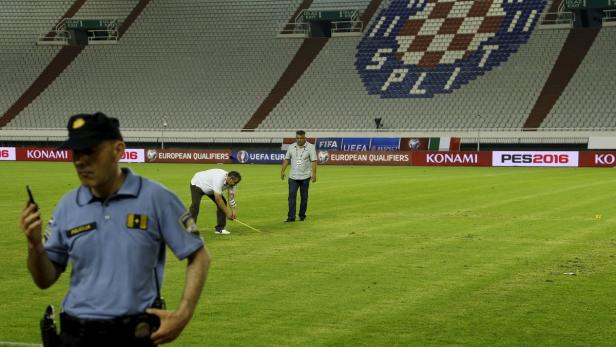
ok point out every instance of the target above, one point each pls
(125, 327)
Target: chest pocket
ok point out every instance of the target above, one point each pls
(139, 226)
(137, 221)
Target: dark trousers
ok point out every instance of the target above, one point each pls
(196, 194)
(294, 185)
(69, 340)
(82, 333)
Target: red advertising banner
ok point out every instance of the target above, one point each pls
(364, 158)
(43, 154)
(53, 154)
(598, 159)
(423, 158)
(188, 156)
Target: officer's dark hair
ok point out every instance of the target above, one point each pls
(300, 133)
(235, 175)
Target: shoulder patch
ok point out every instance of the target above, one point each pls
(48, 230)
(188, 222)
(80, 229)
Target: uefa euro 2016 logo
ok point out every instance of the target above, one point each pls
(242, 157)
(418, 48)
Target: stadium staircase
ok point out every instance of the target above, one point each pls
(588, 100)
(61, 61)
(574, 50)
(309, 49)
(369, 12)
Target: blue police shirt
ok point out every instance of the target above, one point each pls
(116, 245)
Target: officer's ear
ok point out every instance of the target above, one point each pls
(118, 150)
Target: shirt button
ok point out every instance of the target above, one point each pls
(107, 217)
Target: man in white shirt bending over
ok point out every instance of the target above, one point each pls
(212, 183)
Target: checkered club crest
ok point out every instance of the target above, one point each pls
(419, 48)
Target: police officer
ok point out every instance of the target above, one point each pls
(303, 159)
(114, 229)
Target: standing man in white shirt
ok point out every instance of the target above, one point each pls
(303, 159)
(212, 183)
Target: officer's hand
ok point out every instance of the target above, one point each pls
(282, 176)
(30, 223)
(171, 325)
(314, 178)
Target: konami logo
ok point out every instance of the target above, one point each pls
(598, 159)
(442, 158)
(452, 158)
(534, 158)
(43, 154)
(605, 159)
(47, 154)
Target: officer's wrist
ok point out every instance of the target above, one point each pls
(36, 248)
(184, 313)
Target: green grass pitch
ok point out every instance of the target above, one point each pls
(389, 256)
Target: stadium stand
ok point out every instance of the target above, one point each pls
(169, 50)
(576, 46)
(487, 104)
(588, 100)
(21, 23)
(210, 65)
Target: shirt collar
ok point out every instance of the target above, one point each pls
(130, 187)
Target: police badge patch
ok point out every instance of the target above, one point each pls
(187, 221)
(419, 48)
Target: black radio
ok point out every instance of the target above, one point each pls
(49, 334)
(159, 303)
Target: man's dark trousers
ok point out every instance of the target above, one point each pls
(196, 193)
(294, 185)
